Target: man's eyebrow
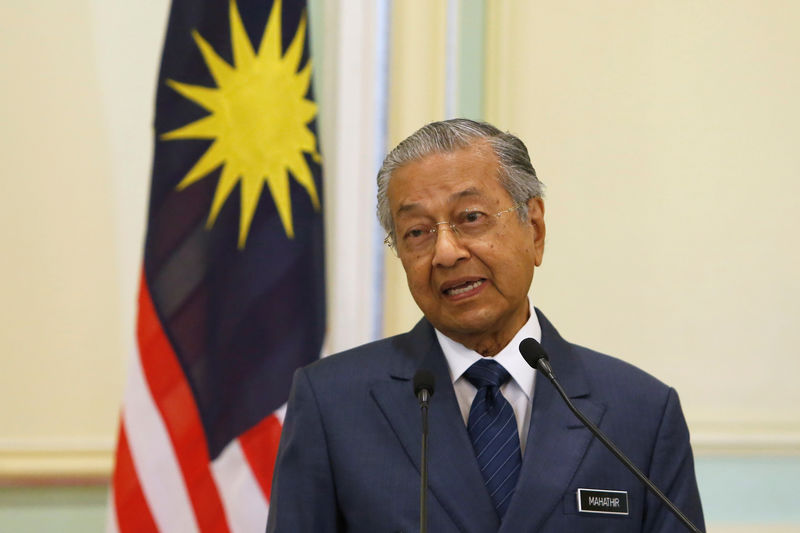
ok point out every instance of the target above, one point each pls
(405, 208)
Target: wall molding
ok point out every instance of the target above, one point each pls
(90, 460)
(37, 461)
(737, 440)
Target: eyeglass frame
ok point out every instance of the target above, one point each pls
(389, 240)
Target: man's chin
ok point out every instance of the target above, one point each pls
(469, 325)
(472, 326)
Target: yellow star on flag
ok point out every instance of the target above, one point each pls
(258, 121)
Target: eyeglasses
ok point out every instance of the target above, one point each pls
(468, 224)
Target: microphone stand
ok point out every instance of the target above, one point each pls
(619, 455)
(423, 390)
(423, 478)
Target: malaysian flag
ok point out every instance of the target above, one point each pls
(231, 298)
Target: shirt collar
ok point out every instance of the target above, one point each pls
(460, 358)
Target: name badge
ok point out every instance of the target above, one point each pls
(603, 501)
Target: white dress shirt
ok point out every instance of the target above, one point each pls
(518, 390)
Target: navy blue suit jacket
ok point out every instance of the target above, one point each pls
(349, 455)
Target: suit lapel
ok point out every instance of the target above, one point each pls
(557, 441)
(454, 478)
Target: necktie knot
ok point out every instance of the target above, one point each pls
(487, 373)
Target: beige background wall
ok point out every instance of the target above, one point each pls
(667, 134)
(77, 80)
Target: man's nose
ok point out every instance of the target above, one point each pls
(448, 247)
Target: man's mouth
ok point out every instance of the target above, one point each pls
(464, 287)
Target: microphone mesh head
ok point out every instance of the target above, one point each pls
(532, 352)
(423, 379)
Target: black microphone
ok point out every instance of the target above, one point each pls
(536, 357)
(423, 390)
(423, 386)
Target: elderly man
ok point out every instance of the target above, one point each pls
(463, 210)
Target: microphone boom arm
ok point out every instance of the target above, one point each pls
(619, 455)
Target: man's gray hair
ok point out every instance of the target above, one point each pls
(516, 173)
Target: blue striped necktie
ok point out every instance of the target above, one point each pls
(493, 429)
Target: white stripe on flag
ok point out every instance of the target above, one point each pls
(244, 501)
(153, 456)
(280, 413)
(111, 513)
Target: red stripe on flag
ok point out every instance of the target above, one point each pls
(133, 513)
(260, 447)
(175, 402)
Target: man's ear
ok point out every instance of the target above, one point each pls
(536, 219)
